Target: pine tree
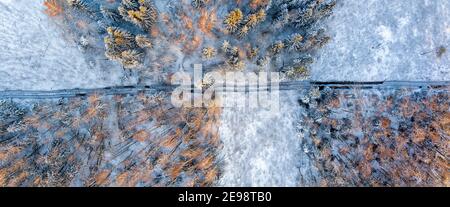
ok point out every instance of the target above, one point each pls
(199, 3)
(282, 16)
(130, 4)
(253, 52)
(119, 37)
(277, 47)
(143, 41)
(243, 31)
(225, 46)
(140, 12)
(233, 20)
(295, 41)
(53, 8)
(261, 15)
(312, 12)
(78, 4)
(208, 52)
(110, 14)
(131, 58)
(122, 46)
(251, 20)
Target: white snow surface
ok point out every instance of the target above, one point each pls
(35, 55)
(376, 40)
(261, 147)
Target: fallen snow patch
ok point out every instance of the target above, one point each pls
(36, 55)
(378, 40)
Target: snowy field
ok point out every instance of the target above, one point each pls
(261, 147)
(35, 54)
(377, 40)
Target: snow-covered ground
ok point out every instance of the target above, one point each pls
(261, 147)
(35, 55)
(375, 40)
